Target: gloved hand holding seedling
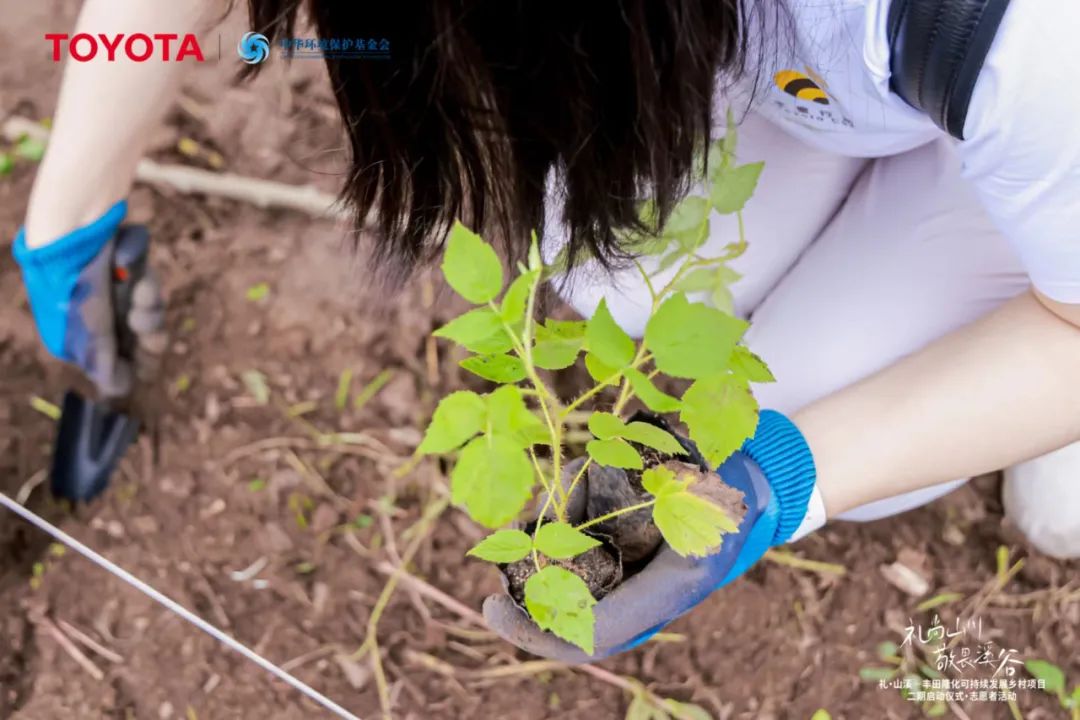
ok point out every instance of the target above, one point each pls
(641, 529)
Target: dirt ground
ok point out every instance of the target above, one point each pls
(238, 511)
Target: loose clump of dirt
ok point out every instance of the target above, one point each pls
(598, 566)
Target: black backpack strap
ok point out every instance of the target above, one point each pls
(936, 50)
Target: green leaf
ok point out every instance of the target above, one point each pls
(654, 399)
(604, 425)
(877, 673)
(938, 709)
(689, 223)
(560, 601)
(698, 280)
(614, 452)
(887, 650)
(938, 600)
(606, 340)
(641, 709)
(686, 711)
(516, 299)
(598, 370)
(507, 415)
(471, 266)
(459, 416)
(45, 407)
(821, 714)
(721, 413)
(492, 480)
(560, 541)
(654, 437)
(555, 354)
(503, 546)
(30, 148)
(1049, 673)
(722, 299)
(690, 524)
(750, 367)
(257, 292)
(691, 340)
(7, 164)
(558, 344)
(496, 368)
(479, 330)
(256, 385)
(341, 395)
(734, 186)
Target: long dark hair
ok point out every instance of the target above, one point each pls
(481, 99)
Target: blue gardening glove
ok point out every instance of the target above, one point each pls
(774, 471)
(72, 282)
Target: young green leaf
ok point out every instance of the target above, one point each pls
(722, 299)
(606, 340)
(555, 354)
(654, 437)
(341, 395)
(604, 425)
(471, 266)
(256, 385)
(614, 452)
(686, 711)
(458, 417)
(691, 340)
(721, 413)
(749, 366)
(821, 714)
(7, 164)
(689, 223)
(690, 524)
(496, 368)
(698, 280)
(734, 187)
(503, 546)
(560, 601)
(508, 416)
(560, 541)
(558, 344)
(877, 673)
(641, 709)
(654, 398)
(1050, 674)
(492, 480)
(516, 298)
(598, 370)
(479, 330)
(30, 148)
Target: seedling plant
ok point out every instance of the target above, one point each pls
(510, 444)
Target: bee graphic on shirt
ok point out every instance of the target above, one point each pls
(810, 100)
(800, 86)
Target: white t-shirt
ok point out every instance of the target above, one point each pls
(829, 86)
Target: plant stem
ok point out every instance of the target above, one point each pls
(577, 478)
(616, 513)
(603, 384)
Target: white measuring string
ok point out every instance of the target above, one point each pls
(108, 565)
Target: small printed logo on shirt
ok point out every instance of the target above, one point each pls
(797, 85)
(810, 102)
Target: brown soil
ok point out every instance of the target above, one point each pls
(599, 567)
(223, 506)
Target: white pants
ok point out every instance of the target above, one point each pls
(851, 265)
